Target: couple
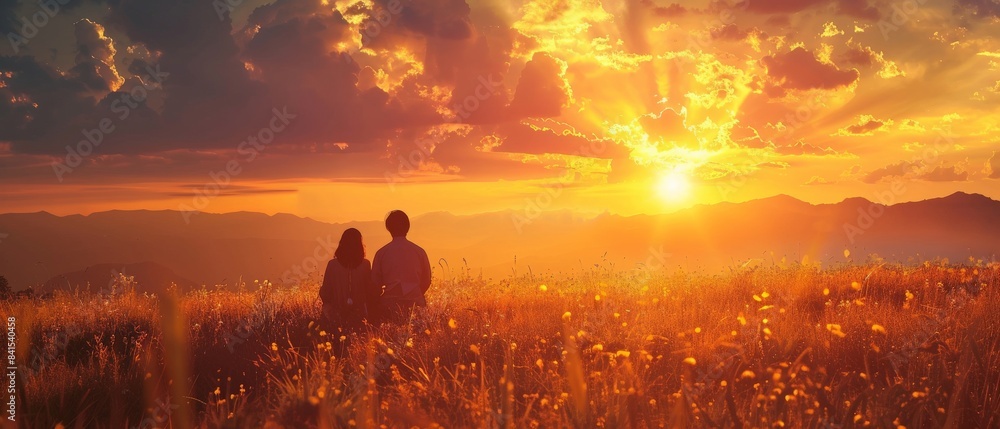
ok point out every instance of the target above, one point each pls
(355, 291)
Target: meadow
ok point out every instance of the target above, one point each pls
(866, 344)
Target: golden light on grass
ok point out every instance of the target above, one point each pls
(835, 329)
(520, 362)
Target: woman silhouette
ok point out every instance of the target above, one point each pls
(347, 292)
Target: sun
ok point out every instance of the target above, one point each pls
(673, 186)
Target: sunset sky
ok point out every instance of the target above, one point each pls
(356, 108)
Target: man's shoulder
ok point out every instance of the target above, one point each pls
(413, 245)
(383, 249)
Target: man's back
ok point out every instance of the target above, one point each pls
(404, 269)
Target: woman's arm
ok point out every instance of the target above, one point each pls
(425, 271)
(373, 292)
(327, 292)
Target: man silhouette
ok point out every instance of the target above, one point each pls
(403, 269)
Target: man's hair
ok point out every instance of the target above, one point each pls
(397, 223)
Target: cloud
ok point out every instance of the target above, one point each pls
(774, 164)
(985, 8)
(11, 12)
(867, 57)
(830, 30)
(817, 180)
(672, 10)
(913, 170)
(858, 55)
(899, 169)
(729, 32)
(945, 174)
(363, 97)
(209, 99)
(992, 168)
(520, 137)
(866, 126)
(747, 136)
(799, 69)
(542, 90)
(853, 8)
(194, 190)
(291, 52)
(8, 16)
(667, 124)
(802, 148)
(95, 58)
(42, 110)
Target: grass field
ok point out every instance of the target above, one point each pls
(860, 345)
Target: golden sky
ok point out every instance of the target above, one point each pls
(623, 106)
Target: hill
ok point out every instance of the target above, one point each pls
(286, 249)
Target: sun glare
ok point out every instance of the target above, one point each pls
(674, 186)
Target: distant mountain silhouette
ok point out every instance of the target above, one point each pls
(286, 249)
(107, 278)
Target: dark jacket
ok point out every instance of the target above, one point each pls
(347, 294)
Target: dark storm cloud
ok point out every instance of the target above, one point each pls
(12, 12)
(219, 85)
(8, 16)
(209, 95)
(95, 58)
(209, 98)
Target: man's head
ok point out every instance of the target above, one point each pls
(397, 223)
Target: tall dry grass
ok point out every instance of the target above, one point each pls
(873, 345)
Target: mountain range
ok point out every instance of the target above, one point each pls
(161, 247)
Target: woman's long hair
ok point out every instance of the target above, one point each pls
(351, 250)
